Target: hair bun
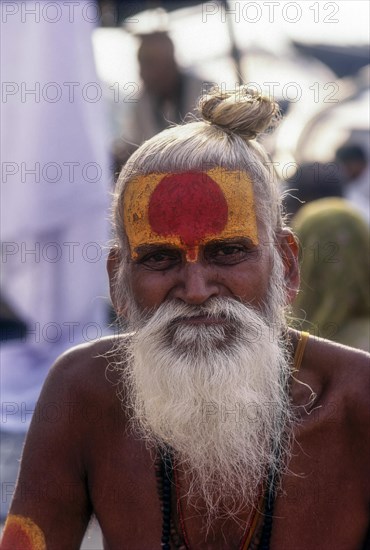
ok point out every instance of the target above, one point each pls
(243, 111)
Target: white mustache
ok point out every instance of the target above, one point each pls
(228, 309)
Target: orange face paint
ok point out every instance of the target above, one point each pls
(189, 209)
(22, 532)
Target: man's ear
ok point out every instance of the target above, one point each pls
(113, 263)
(289, 249)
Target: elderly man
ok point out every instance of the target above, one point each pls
(231, 431)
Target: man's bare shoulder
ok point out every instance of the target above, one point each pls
(339, 375)
(334, 361)
(88, 372)
(93, 356)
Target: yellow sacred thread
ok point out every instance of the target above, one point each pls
(29, 528)
(238, 191)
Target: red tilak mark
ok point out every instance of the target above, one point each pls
(189, 205)
(15, 537)
(192, 254)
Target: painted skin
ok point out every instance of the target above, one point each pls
(21, 533)
(189, 209)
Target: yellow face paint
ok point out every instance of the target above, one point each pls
(22, 532)
(189, 209)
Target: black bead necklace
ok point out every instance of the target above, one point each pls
(164, 475)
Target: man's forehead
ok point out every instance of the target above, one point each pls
(188, 209)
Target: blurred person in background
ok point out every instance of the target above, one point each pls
(54, 202)
(311, 181)
(356, 170)
(168, 95)
(334, 299)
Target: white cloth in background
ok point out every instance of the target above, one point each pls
(54, 193)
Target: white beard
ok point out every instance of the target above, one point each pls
(215, 394)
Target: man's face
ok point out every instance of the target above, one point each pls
(232, 268)
(195, 236)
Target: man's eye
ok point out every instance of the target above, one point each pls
(230, 250)
(229, 254)
(160, 260)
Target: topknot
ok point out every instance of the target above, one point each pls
(244, 112)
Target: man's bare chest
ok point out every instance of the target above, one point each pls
(319, 503)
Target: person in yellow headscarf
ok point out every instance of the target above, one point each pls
(334, 301)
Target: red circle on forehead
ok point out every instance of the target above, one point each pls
(189, 205)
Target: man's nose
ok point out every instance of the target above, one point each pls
(196, 284)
